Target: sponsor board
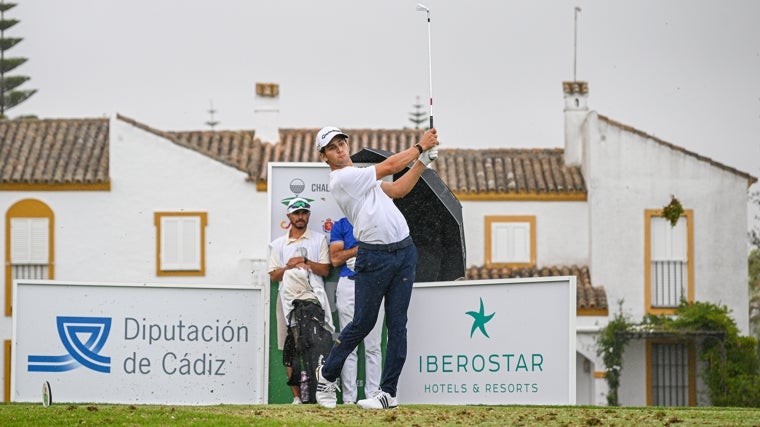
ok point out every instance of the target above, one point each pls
(136, 343)
(509, 341)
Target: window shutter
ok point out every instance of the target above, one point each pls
(180, 243)
(29, 241)
(668, 242)
(511, 242)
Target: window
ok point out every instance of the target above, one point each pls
(29, 245)
(671, 374)
(669, 267)
(510, 240)
(180, 247)
(29, 241)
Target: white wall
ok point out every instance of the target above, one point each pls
(633, 381)
(584, 381)
(585, 346)
(110, 236)
(562, 233)
(627, 174)
(152, 174)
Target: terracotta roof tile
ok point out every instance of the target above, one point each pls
(496, 171)
(54, 151)
(587, 297)
(243, 151)
(508, 170)
(77, 151)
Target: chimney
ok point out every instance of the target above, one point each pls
(266, 113)
(576, 109)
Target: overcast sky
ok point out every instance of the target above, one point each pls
(686, 71)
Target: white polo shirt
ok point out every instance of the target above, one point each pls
(375, 217)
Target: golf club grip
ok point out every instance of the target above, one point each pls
(433, 154)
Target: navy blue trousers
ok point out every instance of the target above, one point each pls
(382, 271)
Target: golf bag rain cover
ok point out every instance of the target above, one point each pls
(311, 338)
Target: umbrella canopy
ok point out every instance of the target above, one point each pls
(434, 216)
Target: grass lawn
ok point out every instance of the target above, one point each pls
(24, 414)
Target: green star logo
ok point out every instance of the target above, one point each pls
(480, 320)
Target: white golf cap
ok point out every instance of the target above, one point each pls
(326, 134)
(298, 204)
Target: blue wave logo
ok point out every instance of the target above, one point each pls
(83, 338)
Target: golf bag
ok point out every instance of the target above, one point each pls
(313, 341)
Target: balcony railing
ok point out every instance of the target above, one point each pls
(669, 280)
(30, 271)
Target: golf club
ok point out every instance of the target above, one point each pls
(433, 154)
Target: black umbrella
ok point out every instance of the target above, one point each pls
(434, 216)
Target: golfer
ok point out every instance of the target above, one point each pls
(386, 259)
(343, 249)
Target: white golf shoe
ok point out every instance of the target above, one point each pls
(379, 400)
(327, 395)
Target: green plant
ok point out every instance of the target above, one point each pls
(610, 346)
(732, 375)
(673, 210)
(733, 364)
(754, 292)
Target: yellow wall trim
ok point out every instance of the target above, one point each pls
(102, 186)
(7, 370)
(494, 196)
(592, 312)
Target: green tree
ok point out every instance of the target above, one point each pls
(10, 96)
(754, 235)
(754, 275)
(417, 116)
(754, 292)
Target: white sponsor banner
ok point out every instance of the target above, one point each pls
(507, 341)
(137, 343)
(309, 181)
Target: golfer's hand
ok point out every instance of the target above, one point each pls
(428, 156)
(351, 263)
(429, 139)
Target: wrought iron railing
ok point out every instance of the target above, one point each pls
(669, 279)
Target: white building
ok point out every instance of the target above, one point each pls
(116, 200)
